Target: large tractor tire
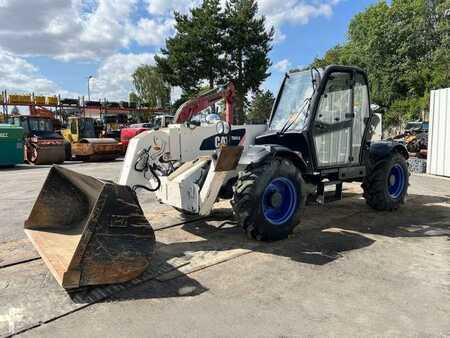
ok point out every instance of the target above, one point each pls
(386, 184)
(269, 198)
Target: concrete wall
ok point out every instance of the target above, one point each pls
(439, 135)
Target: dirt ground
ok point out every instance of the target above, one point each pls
(347, 271)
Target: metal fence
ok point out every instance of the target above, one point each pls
(439, 134)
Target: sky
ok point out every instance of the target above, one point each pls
(52, 46)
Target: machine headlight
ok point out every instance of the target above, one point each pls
(227, 128)
(220, 127)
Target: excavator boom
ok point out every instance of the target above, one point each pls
(194, 106)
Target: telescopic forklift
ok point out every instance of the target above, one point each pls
(318, 136)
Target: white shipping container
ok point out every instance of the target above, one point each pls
(439, 134)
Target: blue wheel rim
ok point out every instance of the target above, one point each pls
(396, 181)
(286, 193)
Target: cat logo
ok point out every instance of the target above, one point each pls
(220, 140)
(3, 135)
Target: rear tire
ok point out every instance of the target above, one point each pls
(269, 198)
(386, 184)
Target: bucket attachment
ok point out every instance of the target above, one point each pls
(89, 231)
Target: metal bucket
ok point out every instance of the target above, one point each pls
(89, 231)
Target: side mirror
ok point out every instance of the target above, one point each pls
(376, 108)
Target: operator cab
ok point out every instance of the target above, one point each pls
(35, 125)
(323, 114)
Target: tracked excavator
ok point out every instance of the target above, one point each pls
(319, 136)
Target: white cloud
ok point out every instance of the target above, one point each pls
(149, 32)
(113, 80)
(103, 30)
(282, 66)
(18, 75)
(293, 12)
(166, 7)
(65, 29)
(94, 29)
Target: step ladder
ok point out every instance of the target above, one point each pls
(324, 196)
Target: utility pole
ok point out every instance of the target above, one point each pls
(89, 88)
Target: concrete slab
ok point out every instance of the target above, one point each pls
(346, 271)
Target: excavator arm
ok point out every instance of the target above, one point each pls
(195, 106)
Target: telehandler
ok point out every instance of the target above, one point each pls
(318, 136)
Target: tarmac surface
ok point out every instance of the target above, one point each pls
(347, 271)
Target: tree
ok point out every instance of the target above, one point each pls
(247, 44)
(260, 107)
(151, 89)
(133, 97)
(404, 49)
(195, 53)
(213, 46)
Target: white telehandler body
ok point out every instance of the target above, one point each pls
(178, 164)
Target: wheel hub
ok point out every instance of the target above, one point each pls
(396, 181)
(392, 180)
(279, 200)
(276, 200)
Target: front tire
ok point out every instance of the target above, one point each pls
(269, 198)
(386, 184)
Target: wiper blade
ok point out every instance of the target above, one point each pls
(290, 122)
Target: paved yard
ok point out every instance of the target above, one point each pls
(347, 271)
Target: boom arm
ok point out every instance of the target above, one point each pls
(194, 106)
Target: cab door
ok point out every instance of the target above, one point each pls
(341, 119)
(333, 123)
(74, 130)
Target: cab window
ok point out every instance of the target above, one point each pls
(73, 127)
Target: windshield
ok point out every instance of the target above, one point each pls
(87, 128)
(41, 125)
(296, 89)
(156, 122)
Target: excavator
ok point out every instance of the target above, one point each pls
(319, 137)
(190, 111)
(85, 145)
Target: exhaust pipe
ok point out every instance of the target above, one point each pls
(89, 231)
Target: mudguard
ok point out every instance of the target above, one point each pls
(380, 149)
(258, 153)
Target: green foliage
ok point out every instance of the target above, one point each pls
(260, 107)
(194, 54)
(133, 97)
(404, 47)
(151, 89)
(247, 46)
(214, 46)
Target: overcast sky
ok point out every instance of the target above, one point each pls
(52, 46)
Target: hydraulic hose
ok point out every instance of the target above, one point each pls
(144, 156)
